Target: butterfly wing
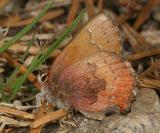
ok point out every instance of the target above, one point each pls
(98, 82)
(100, 34)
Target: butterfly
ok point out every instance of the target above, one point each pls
(90, 75)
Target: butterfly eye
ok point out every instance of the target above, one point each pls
(42, 78)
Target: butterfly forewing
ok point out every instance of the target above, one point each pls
(100, 34)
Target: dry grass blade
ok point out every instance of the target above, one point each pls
(15, 112)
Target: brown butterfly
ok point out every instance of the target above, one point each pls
(90, 76)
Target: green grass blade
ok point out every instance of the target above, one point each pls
(25, 29)
(2, 90)
(55, 45)
(20, 80)
(38, 60)
(29, 44)
(12, 77)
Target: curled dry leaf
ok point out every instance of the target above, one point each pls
(90, 75)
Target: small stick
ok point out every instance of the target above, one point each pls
(145, 13)
(73, 11)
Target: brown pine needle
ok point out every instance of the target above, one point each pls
(149, 70)
(73, 11)
(22, 68)
(90, 8)
(100, 5)
(143, 54)
(150, 83)
(143, 16)
(49, 15)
